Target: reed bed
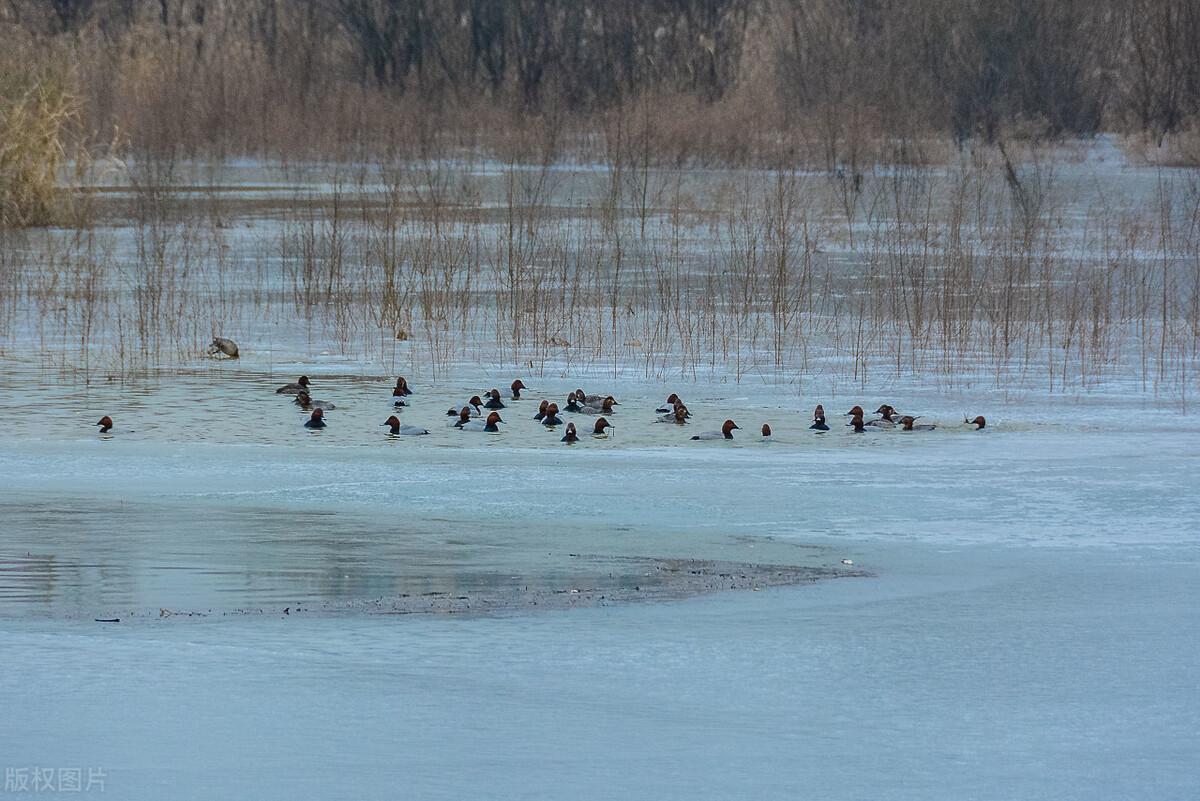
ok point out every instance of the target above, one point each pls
(980, 272)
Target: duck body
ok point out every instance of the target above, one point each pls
(317, 420)
(819, 425)
(494, 401)
(395, 429)
(906, 424)
(305, 402)
(489, 426)
(294, 388)
(223, 345)
(673, 400)
(401, 389)
(726, 432)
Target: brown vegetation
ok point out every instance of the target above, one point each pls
(827, 81)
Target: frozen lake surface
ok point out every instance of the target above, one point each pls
(1031, 629)
(1021, 619)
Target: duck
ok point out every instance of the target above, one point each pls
(305, 401)
(541, 412)
(494, 401)
(605, 407)
(474, 408)
(464, 417)
(766, 432)
(857, 423)
(672, 401)
(480, 425)
(600, 430)
(401, 389)
(726, 432)
(570, 437)
(979, 422)
(888, 420)
(906, 424)
(679, 416)
(515, 389)
(223, 345)
(591, 400)
(552, 418)
(819, 423)
(300, 385)
(317, 420)
(393, 423)
(105, 424)
(572, 403)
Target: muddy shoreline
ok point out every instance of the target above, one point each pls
(628, 580)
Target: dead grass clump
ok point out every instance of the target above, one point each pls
(37, 109)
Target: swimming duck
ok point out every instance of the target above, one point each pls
(888, 420)
(726, 432)
(591, 400)
(304, 401)
(480, 425)
(474, 408)
(464, 417)
(515, 389)
(979, 422)
(393, 423)
(573, 403)
(317, 420)
(494, 401)
(679, 416)
(766, 431)
(570, 437)
(541, 412)
(401, 389)
(604, 407)
(819, 423)
(857, 423)
(906, 424)
(552, 418)
(105, 424)
(672, 401)
(600, 430)
(291, 389)
(223, 345)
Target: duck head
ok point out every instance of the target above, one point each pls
(979, 422)
(766, 430)
(728, 428)
(517, 386)
(105, 424)
(601, 425)
(393, 423)
(856, 411)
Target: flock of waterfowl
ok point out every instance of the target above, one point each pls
(478, 414)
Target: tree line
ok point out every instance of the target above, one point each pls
(240, 73)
